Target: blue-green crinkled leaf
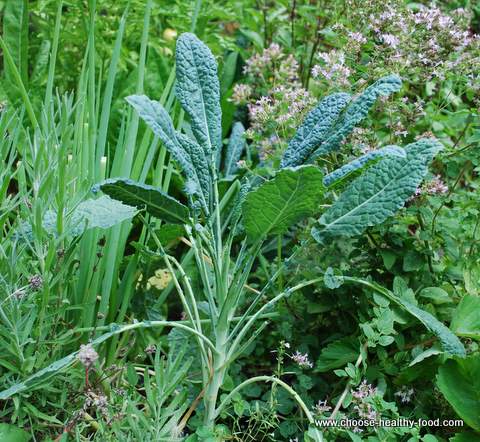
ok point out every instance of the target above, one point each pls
(103, 213)
(378, 193)
(314, 129)
(450, 343)
(186, 152)
(333, 120)
(198, 91)
(364, 160)
(235, 147)
(292, 195)
(356, 112)
(156, 202)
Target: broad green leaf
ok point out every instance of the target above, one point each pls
(337, 354)
(459, 382)
(156, 202)
(314, 129)
(198, 91)
(235, 147)
(228, 72)
(11, 433)
(377, 194)
(292, 195)
(466, 318)
(103, 212)
(186, 152)
(361, 162)
(356, 112)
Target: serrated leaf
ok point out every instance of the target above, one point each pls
(361, 162)
(333, 120)
(314, 129)
(186, 152)
(235, 147)
(292, 195)
(378, 193)
(198, 91)
(356, 112)
(337, 354)
(459, 382)
(156, 202)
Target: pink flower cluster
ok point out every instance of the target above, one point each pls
(301, 359)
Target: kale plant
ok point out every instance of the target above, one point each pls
(226, 234)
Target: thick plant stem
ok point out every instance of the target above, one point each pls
(218, 374)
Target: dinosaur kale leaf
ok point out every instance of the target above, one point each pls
(185, 151)
(198, 91)
(378, 193)
(333, 120)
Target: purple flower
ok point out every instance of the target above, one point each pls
(301, 359)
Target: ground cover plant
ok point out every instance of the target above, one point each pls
(239, 221)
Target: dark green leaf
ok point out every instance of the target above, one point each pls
(292, 195)
(156, 202)
(337, 354)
